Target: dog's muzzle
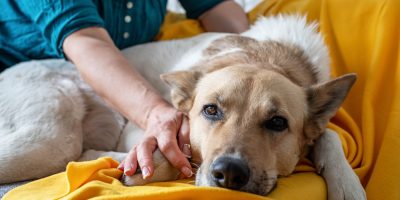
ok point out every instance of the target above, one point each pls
(228, 172)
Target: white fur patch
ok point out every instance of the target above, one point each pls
(293, 29)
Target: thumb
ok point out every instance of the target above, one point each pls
(184, 137)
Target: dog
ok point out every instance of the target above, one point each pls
(258, 102)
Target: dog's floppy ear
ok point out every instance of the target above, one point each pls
(323, 102)
(182, 85)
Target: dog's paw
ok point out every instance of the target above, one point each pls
(351, 188)
(331, 163)
(162, 172)
(134, 180)
(342, 182)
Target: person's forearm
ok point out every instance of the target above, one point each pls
(104, 68)
(227, 16)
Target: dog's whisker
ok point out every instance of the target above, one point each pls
(194, 165)
(195, 170)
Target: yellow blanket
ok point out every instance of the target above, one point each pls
(363, 37)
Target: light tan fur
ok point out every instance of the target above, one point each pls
(250, 86)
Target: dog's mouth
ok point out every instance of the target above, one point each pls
(234, 173)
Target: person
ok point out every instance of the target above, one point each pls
(90, 34)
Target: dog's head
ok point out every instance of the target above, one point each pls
(250, 124)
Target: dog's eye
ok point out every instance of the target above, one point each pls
(276, 123)
(212, 112)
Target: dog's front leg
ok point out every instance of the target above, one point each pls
(331, 163)
(163, 171)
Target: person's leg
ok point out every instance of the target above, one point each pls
(41, 113)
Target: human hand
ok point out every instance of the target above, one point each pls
(167, 129)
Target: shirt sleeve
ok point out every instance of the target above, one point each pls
(58, 19)
(195, 8)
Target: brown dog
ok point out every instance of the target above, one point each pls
(250, 119)
(257, 103)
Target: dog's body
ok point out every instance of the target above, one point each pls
(277, 102)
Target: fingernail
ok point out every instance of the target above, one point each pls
(145, 172)
(128, 171)
(187, 151)
(187, 172)
(120, 167)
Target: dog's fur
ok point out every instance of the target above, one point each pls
(279, 68)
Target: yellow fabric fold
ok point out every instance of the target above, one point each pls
(98, 179)
(363, 37)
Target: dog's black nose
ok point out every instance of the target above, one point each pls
(230, 173)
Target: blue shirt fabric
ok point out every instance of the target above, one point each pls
(36, 29)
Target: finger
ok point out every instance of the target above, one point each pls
(130, 164)
(184, 137)
(121, 165)
(145, 156)
(169, 148)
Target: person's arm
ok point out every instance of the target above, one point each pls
(227, 16)
(104, 68)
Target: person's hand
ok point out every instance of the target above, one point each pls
(164, 124)
(113, 78)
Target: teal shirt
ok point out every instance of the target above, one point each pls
(36, 29)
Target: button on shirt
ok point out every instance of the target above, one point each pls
(37, 29)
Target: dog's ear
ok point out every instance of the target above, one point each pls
(323, 102)
(182, 85)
